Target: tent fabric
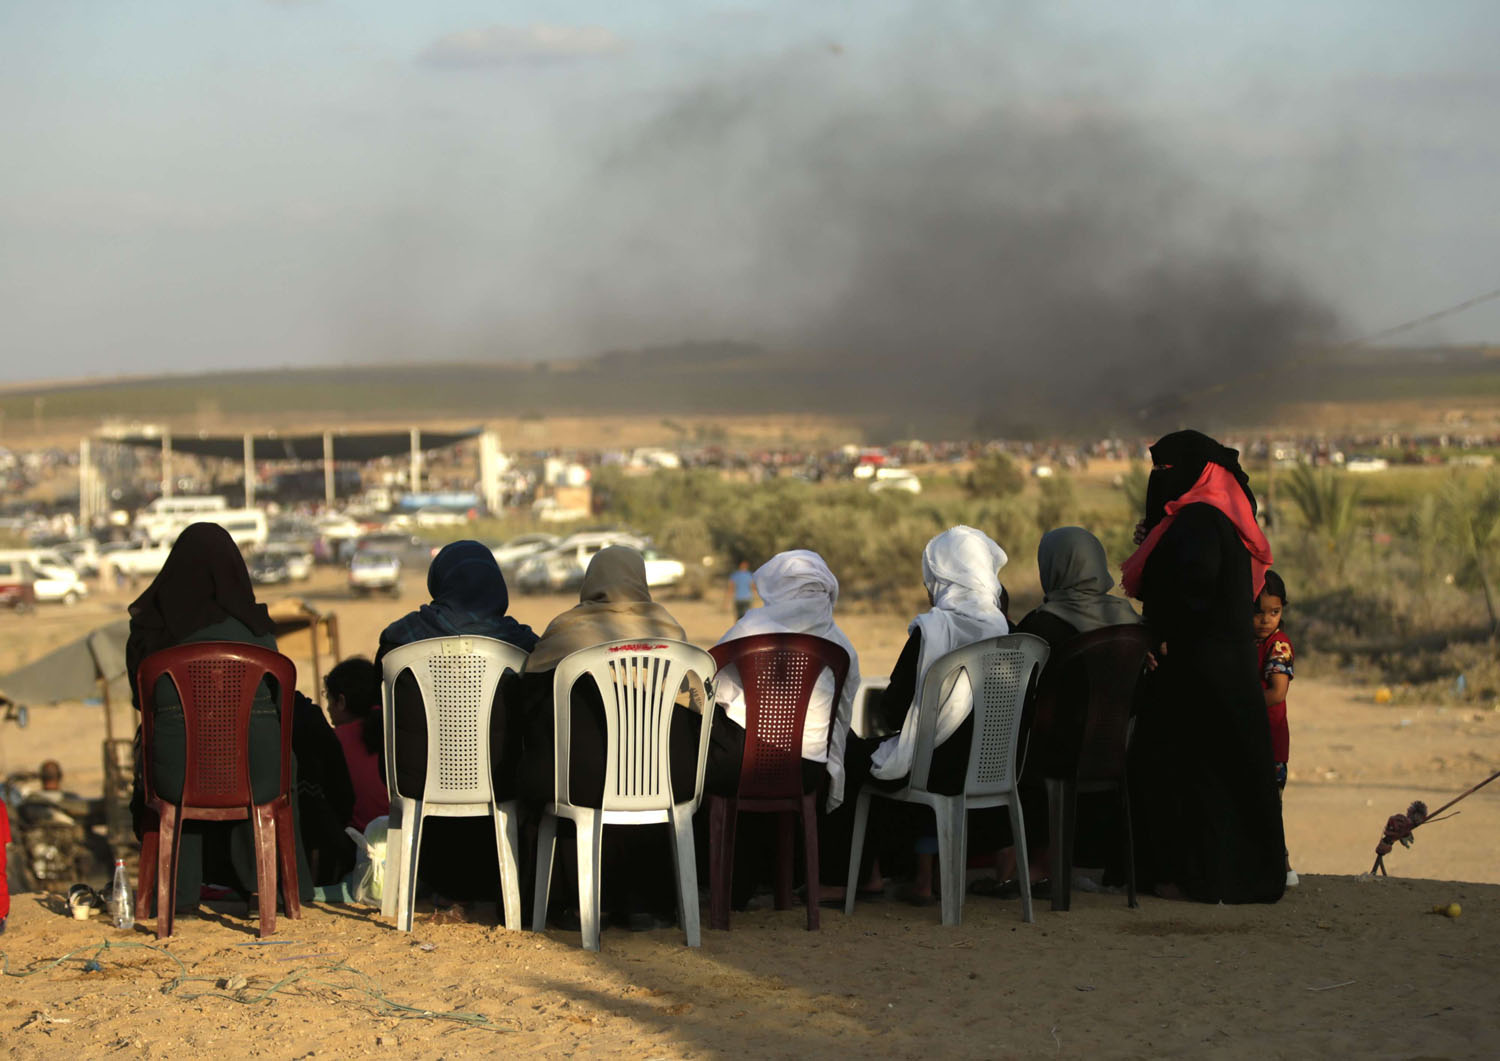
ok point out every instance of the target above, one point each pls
(358, 447)
(73, 671)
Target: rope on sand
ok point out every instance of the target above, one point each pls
(1399, 827)
(248, 991)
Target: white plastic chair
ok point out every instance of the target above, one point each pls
(1002, 672)
(638, 681)
(457, 677)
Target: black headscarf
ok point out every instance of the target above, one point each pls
(468, 597)
(203, 582)
(1180, 458)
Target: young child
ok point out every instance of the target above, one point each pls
(1276, 655)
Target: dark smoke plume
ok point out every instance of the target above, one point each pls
(952, 247)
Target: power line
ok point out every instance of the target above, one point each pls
(1406, 326)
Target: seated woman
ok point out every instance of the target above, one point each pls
(203, 593)
(354, 696)
(613, 603)
(799, 593)
(469, 596)
(960, 569)
(1076, 600)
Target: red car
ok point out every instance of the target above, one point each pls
(17, 585)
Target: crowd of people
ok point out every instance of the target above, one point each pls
(1207, 759)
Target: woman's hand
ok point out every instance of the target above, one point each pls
(1141, 530)
(1153, 659)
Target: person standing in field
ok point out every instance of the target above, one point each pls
(1210, 818)
(741, 586)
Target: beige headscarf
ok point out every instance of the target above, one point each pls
(613, 603)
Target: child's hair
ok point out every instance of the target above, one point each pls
(1275, 587)
(357, 680)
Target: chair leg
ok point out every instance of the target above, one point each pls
(546, 845)
(786, 857)
(264, 826)
(1023, 864)
(856, 848)
(411, 857)
(168, 854)
(389, 893)
(145, 881)
(508, 845)
(1130, 898)
(589, 824)
(1062, 810)
(722, 815)
(810, 856)
(687, 872)
(951, 814)
(286, 859)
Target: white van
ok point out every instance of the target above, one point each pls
(164, 518)
(247, 526)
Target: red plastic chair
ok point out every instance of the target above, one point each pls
(217, 682)
(778, 673)
(1079, 735)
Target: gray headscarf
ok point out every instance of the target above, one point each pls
(1076, 581)
(613, 603)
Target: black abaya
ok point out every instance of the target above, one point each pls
(1208, 819)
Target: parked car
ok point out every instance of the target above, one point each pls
(510, 555)
(53, 578)
(297, 557)
(269, 569)
(372, 570)
(17, 585)
(562, 567)
(896, 479)
(139, 559)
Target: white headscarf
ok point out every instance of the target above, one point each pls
(961, 569)
(799, 594)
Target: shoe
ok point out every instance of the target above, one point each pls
(995, 888)
(1291, 878)
(565, 920)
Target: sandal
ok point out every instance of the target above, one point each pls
(995, 888)
(914, 898)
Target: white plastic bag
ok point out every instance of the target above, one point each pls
(367, 878)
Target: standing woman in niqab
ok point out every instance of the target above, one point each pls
(203, 593)
(469, 596)
(1209, 826)
(614, 603)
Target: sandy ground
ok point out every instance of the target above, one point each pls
(1341, 965)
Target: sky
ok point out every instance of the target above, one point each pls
(260, 183)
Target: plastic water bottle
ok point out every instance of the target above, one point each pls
(120, 898)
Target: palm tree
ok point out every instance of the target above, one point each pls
(1471, 524)
(1327, 501)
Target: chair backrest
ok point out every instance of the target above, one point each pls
(457, 677)
(1083, 705)
(217, 682)
(638, 680)
(1002, 673)
(778, 673)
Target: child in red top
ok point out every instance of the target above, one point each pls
(1276, 655)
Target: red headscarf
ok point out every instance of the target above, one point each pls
(1218, 487)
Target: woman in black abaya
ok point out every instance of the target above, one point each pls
(1209, 827)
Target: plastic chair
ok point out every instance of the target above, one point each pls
(638, 682)
(778, 673)
(457, 677)
(1002, 672)
(1079, 737)
(217, 682)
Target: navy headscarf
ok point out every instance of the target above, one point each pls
(468, 597)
